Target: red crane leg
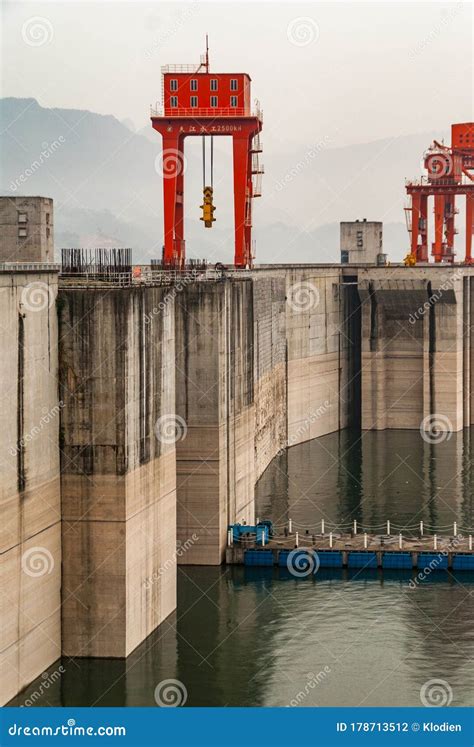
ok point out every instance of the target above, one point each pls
(469, 227)
(423, 250)
(241, 178)
(449, 220)
(171, 165)
(437, 246)
(415, 223)
(179, 207)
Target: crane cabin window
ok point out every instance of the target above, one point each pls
(213, 101)
(233, 84)
(233, 101)
(194, 84)
(173, 84)
(213, 84)
(174, 101)
(194, 102)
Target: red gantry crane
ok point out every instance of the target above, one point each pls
(450, 174)
(198, 102)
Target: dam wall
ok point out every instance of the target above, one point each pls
(262, 363)
(30, 523)
(154, 409)
(417, 347)
(215, 402)
(318, 370)
(270, 379)
(118, 480)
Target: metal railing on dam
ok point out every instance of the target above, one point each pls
(147, 277)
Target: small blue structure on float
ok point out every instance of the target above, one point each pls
(261, 532)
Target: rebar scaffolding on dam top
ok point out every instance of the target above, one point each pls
(98, 260)
(96, 267)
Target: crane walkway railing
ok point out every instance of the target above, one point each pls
(213, 112)
(147, 277)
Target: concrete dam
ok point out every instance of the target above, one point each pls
(140, 413)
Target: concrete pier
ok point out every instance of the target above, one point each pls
(417, 347)
(118, 479)
(30, 523)
(215, 399)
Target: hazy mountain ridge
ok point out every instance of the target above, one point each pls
(103, 178)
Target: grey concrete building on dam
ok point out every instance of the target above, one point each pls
(140, 413)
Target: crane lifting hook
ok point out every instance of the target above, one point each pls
(207, 207)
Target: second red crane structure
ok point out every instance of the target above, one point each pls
(450, 175)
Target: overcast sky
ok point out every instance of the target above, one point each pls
(350, 71)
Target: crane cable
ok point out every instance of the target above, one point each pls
(204, 162)
(212, 161)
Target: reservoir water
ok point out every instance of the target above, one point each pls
(251, 636)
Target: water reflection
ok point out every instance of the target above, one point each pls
(371, 476)
(259, 636)
(246, 637)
